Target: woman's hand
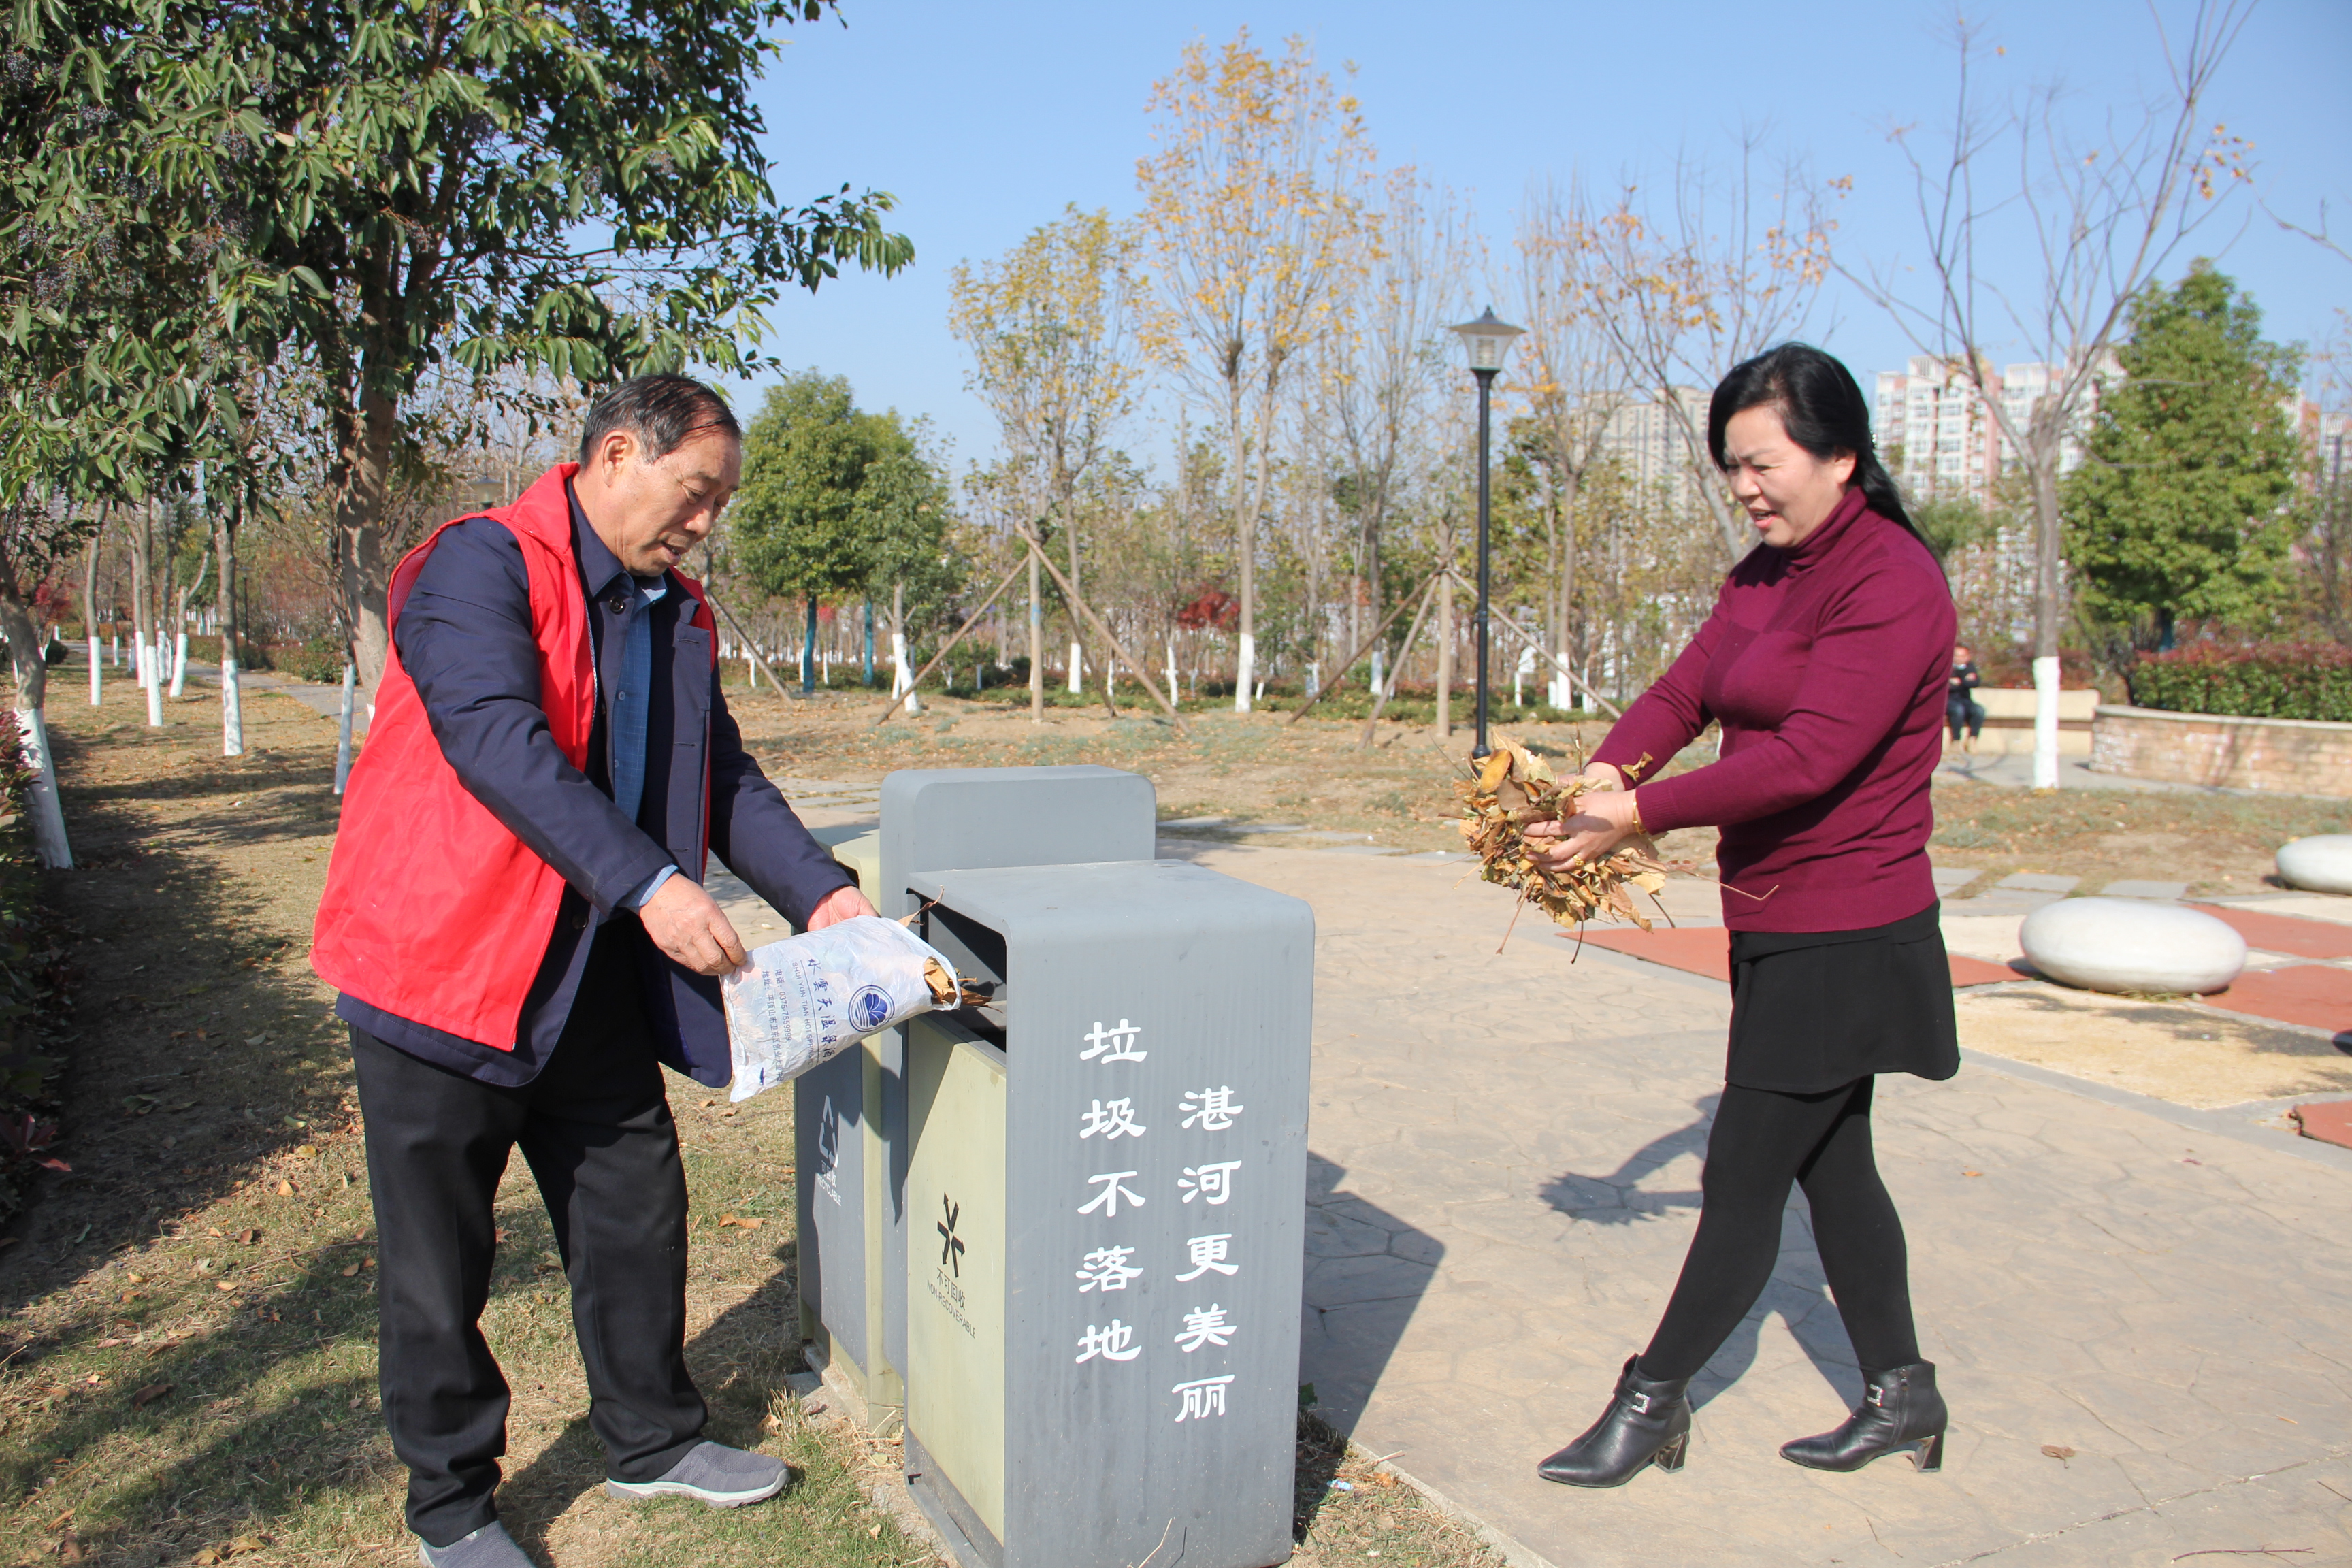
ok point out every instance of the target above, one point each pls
(1603, 820)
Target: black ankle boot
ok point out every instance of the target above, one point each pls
(1648, 1422)
(1900, 1409)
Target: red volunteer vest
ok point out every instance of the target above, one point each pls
(434, 912)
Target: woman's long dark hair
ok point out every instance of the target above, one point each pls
(1822, 410)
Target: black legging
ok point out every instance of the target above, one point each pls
(1762, 1141)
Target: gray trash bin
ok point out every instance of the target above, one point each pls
(850, 1162)
(1106, 1179)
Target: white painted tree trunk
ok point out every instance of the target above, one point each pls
(180, 664)
(97, 668)
(1379, 663)
(902, 676)
(48, 816)
(1245, 670)
(1077, 668)
(2045, 724)
(1175, 693)
(154, 676)
(344, 729)
(232, 711)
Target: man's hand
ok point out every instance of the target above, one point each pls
(686, 924)
(841, 904)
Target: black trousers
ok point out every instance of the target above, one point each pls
(1964, 712)
(1763, 1140)
(595, 1128)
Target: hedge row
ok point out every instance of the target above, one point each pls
(2259, 680)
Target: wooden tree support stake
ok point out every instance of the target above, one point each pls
(751, 647)
(1142, 671)
(1378, 632)
(949, 646)
(1544, 653)
(1412, 636)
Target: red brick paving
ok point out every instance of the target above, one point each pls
(2285, 933)
(2330, 1121)
(1706, 950)
(2312, 994)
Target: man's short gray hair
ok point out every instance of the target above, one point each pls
(663, 411)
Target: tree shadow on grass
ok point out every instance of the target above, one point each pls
(206, 1090)
(740, 1362)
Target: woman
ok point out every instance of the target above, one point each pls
(1825, 661)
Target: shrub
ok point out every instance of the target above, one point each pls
(320, 660)
(2254, 680)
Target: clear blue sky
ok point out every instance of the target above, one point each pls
(985, 120)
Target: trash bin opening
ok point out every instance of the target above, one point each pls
(977, 950)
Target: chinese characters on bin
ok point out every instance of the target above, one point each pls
(1115, 1264)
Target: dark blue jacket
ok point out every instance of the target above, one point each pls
(465, 638)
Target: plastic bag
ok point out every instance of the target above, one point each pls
(800, 1002)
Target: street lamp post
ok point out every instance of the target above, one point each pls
(1488, 338)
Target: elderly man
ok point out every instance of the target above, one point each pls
(516, 921)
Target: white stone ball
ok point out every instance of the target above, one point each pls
(2321, 863)
(2131, 945)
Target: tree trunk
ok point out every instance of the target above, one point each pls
(224, 612)
(902, 674)
(142, 613)
(364, 470)
(1077, 646)
(2047, 441)
(32, 673)
(1245, 691)
(344, 729)
(1445, 650)
(89, 612)
(1245, 547)
(1036, 645)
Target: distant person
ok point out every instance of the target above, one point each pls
(1825, 663)
(1961, 710)
(515, 918)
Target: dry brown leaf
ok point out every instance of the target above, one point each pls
(149, 1394)
(1515, 789)
(2057, 1452)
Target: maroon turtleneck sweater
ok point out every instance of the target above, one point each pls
(1825, 665)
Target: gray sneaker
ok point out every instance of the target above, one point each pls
(489, 1547)
(719, 1475)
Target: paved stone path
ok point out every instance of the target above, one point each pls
(1504, 1179)
(1507, 1170)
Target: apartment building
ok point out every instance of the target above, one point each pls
(1938, 438)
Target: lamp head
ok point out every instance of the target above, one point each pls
(1488, 338)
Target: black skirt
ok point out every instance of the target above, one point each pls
(1812, 1011)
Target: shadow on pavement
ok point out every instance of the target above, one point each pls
(1798, 1292)
(1367, 1271)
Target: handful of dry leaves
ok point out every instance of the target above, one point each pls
(1514, 788)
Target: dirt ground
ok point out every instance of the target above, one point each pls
(1263, 769)
(2174, 1050)
(187, 1321)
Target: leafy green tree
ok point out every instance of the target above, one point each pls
(2176, 514)
(394, 187)
(836, 501)
(793, 527)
